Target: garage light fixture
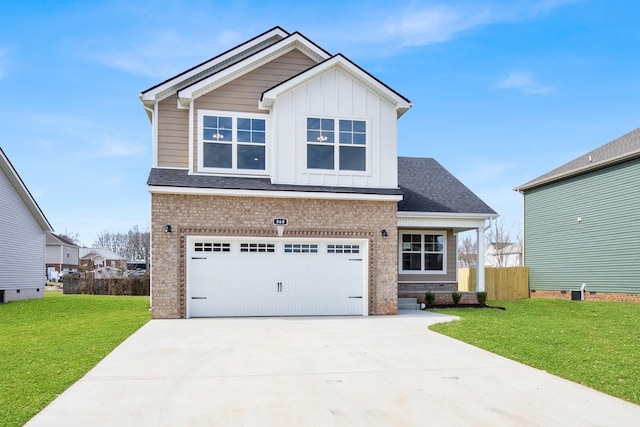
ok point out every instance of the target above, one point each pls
(167, 228)
(384, 233)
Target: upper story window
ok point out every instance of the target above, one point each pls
(350, 152)
(232, 141)
(423, 252)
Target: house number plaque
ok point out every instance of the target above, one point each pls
(280, 221)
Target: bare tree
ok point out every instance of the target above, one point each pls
(133, 245)
(115, 242)
(503, 249)
(72, 237)
(467, 253)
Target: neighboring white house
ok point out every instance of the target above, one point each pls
(22, 246)
(503, 255)
(62, 255)
(101, 257)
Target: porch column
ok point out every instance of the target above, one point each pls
(480, 261)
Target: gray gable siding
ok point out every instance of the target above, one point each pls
(22, 246)
(603, 249)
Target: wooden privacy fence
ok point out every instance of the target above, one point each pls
(501, 283)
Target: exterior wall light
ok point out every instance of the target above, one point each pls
(384, 233)
(167, 228)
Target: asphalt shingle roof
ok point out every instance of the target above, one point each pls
(424, 184)
(621, 149)
(429, 187)
(181, 178)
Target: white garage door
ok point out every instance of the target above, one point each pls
(276, 277)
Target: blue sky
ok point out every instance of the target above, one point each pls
(503, 91)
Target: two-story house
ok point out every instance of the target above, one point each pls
(62, 254)
(276, 189)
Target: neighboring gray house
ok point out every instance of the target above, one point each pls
(582, 224)
(62, 254)
(22, 245)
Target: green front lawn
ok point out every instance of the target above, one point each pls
(592, 343)
(48, 344)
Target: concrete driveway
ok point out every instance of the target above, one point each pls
(338, 371)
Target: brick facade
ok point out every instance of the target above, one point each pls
(588, 296)
(201, 215)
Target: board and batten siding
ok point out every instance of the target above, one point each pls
(22, 246)
(242, 94)
(602, 249)
(335, 94)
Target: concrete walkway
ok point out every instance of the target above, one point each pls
(337, 371)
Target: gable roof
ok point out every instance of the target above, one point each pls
(250, 55)
(23, 192)
(101, 252)
(622, 149)
(249, 63)
(338, 61)
(428, 187)
(210, 66)
(54, 239)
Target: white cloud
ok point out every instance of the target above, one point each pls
(434, 24)
(420, 24)
(64, 131)
(524, 82)
(162, 54)
(112, 147)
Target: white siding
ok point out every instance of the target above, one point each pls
(22, 246)
(334, 94)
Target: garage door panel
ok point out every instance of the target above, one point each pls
(279, 283)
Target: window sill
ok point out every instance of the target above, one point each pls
(248, 173)
(422, 272)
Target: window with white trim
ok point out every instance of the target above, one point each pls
(231, 141)
(350, 153)
(422, 252)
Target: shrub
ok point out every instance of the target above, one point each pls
(456, 297)
(429, 298)
(482, 297)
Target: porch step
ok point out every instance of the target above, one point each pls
(408, 304)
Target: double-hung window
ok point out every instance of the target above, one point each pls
(233, 141)
(350, 152)
(423, 252)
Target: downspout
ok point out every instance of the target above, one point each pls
(154, 163)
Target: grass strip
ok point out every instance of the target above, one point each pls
(48, 344)
(592, 343)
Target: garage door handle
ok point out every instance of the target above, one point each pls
(355, 259)
(356, 297)
(198, 257)
(198, 297)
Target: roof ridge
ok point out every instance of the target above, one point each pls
(618, 150)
